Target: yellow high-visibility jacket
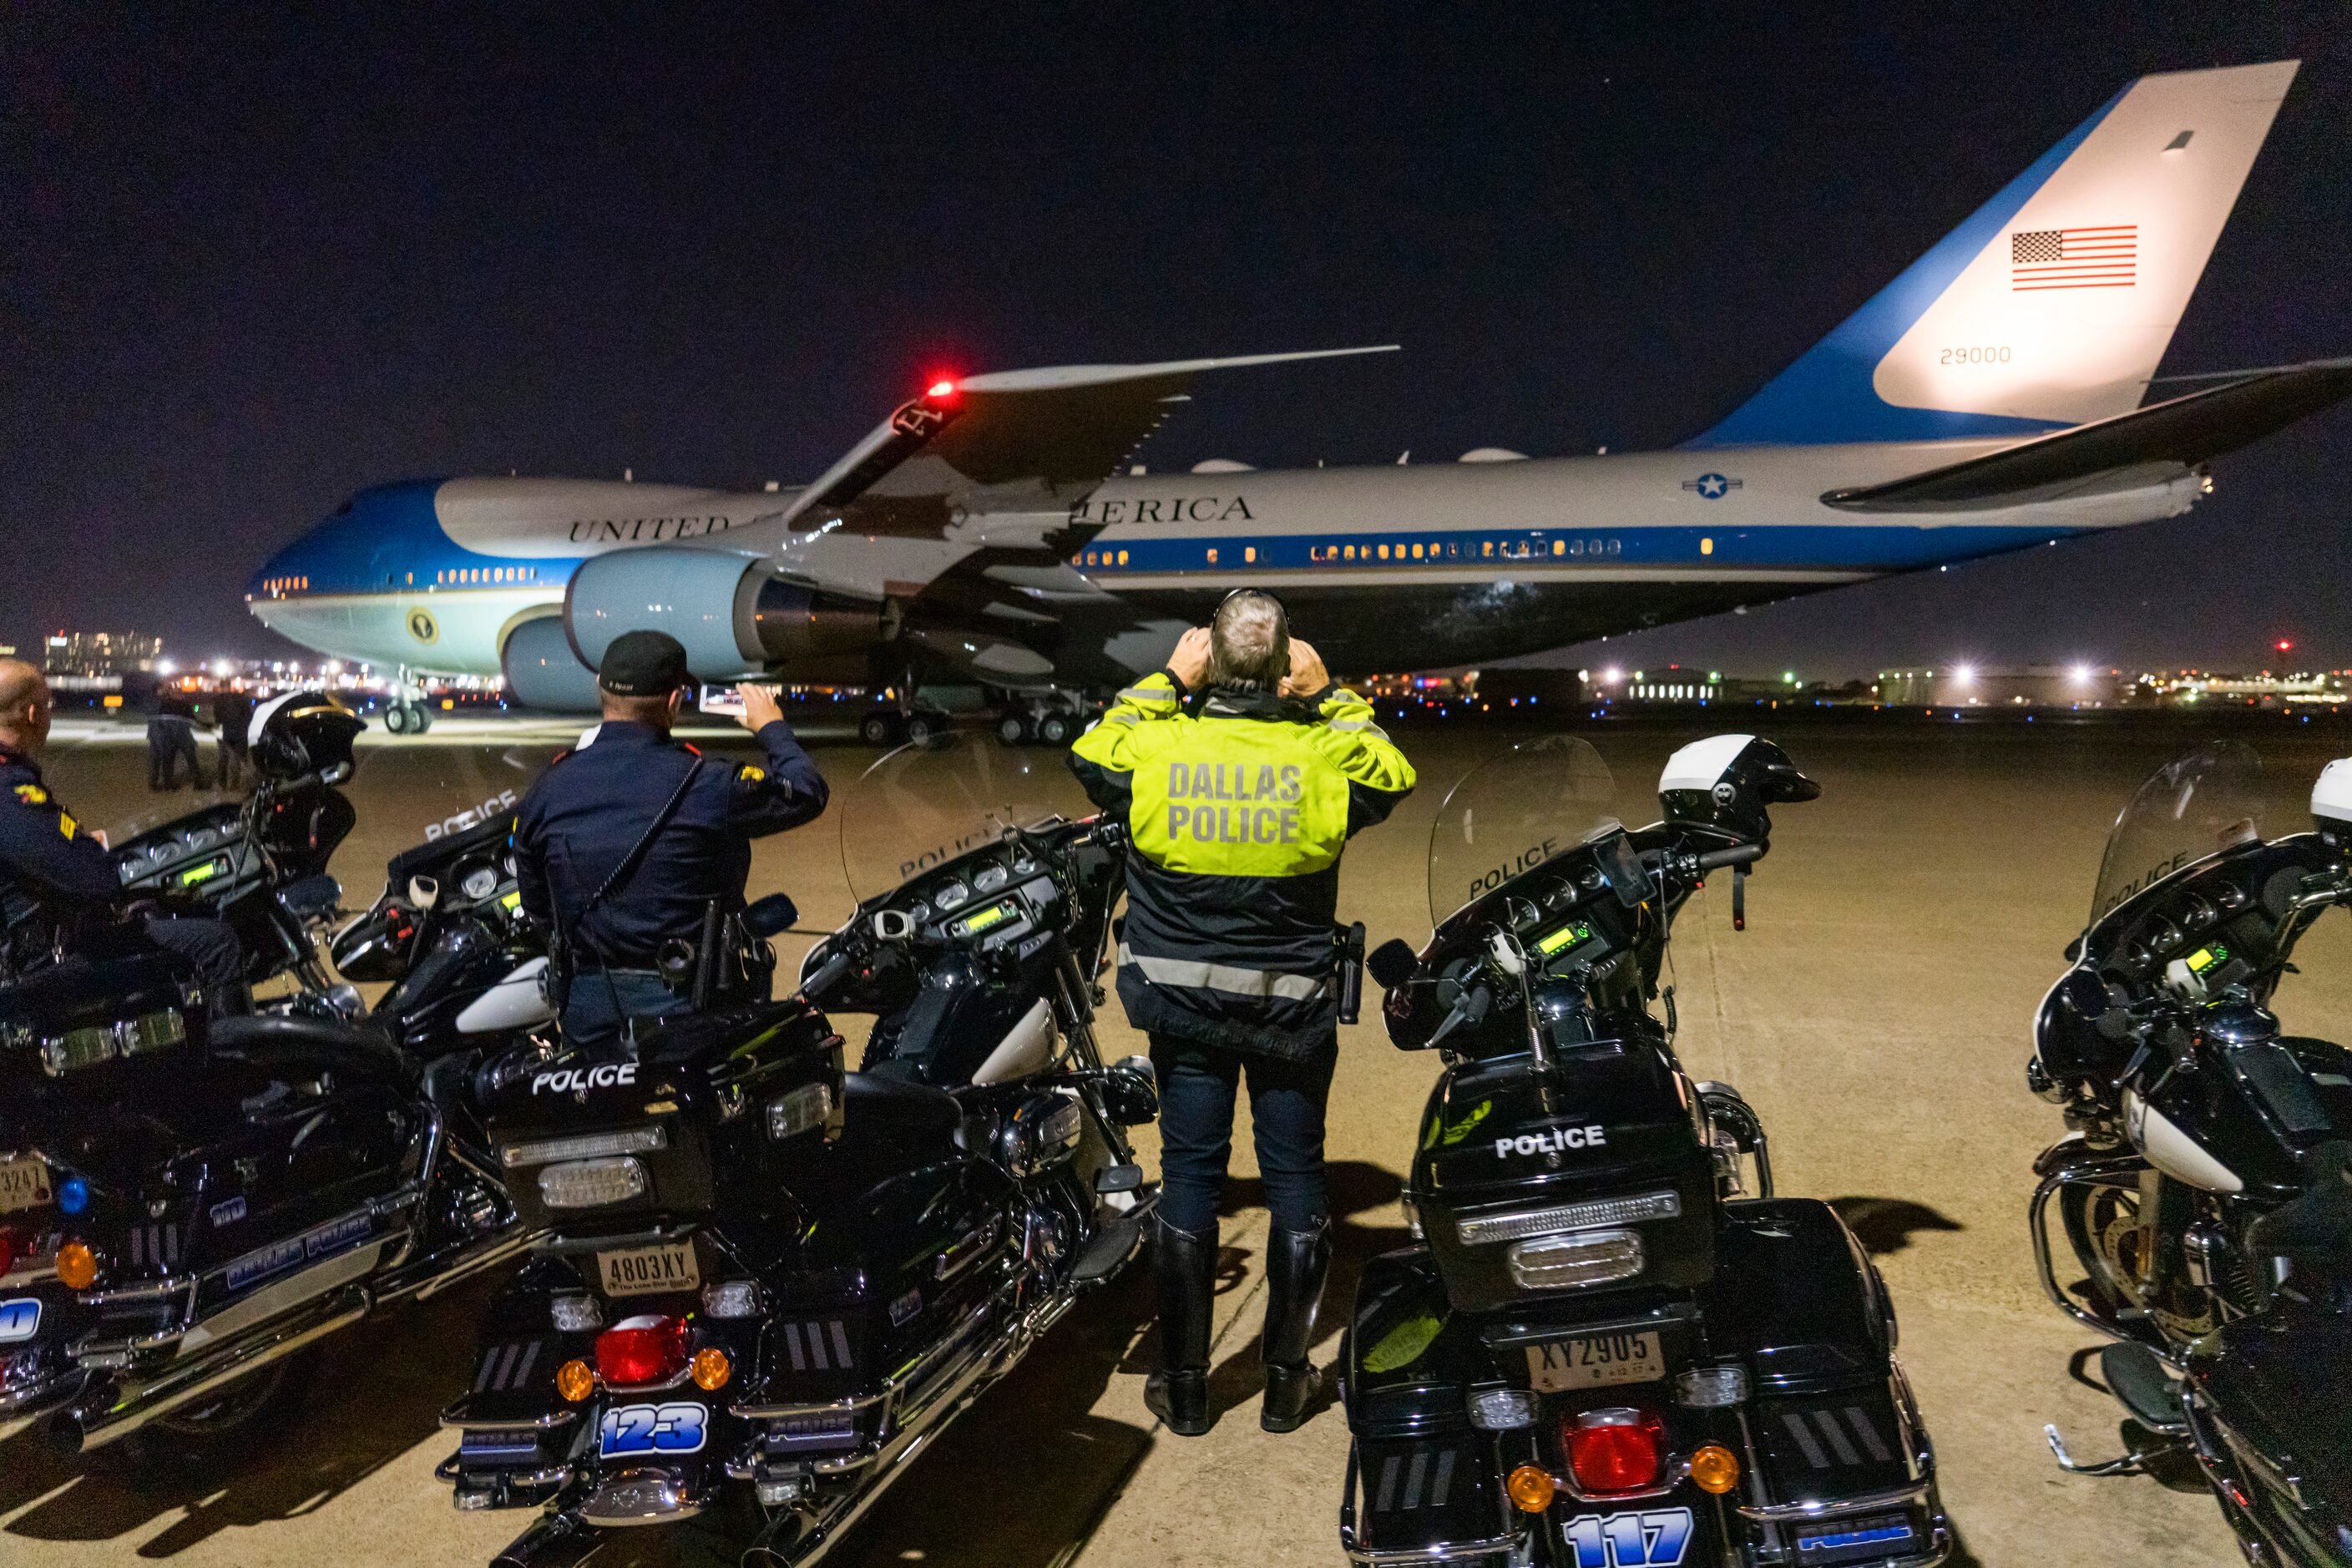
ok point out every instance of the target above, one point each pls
(1238, 815)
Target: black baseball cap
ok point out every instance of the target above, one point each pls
(643, 664)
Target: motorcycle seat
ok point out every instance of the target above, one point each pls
(304, 1044)
(895, 1108)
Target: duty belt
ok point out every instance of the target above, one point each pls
(1229, 978)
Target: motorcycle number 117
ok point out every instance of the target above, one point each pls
(651, 1430)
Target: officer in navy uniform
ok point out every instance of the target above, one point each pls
(581, 823)
(56, 876)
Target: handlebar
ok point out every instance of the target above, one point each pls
(832, 969)
(1736, 855)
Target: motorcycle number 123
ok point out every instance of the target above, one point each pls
(651, 1430)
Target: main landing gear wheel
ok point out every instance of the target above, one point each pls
(407, 719)
(878, 729)
(1055, 730)
(922, 729)
(1013, 729)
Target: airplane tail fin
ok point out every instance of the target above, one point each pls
(2051, 304)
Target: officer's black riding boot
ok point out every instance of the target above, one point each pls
(1184, 1264)
(1295, 1263)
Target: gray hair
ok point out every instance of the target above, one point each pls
(1249, 643)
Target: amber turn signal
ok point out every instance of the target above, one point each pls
(76, 1266)
(1530, 1487)
(576, 1380)
(711, 1369)
(1715, 1468)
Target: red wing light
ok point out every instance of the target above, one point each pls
(641, 1350)
(943, 388)
(1615, 1451)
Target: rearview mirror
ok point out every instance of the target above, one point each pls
(768, 916)
(1393, 963)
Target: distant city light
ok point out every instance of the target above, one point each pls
(1611, 675)
(2081, 672)
(165, 667)
(1964, 672)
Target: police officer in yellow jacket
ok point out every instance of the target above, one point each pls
(1238, 811)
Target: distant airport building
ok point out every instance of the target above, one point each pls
(2264, 689)
(92, 654)
(2003, 686)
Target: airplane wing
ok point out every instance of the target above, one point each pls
(2162, 440)
(1020, 441)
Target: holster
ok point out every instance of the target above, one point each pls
(1347, 943)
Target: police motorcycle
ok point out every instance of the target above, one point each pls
(190, 1201)
(767, 1281)
(1605, 1349)
(2201, 1186)
(259, 864)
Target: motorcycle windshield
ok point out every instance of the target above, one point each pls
(927, 803)
(2189, 810)
(1541, 798)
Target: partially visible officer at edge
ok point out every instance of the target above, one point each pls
(1238, 815)
(655, 827)
(55, 872)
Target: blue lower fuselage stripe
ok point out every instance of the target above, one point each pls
(1866, 548)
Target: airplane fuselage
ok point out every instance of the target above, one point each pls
(1387, 567)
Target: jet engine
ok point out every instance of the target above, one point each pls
(732, 615)
(543, 672)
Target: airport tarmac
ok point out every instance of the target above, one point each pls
(1875, 1012)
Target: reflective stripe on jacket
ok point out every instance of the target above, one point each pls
(1238, 813)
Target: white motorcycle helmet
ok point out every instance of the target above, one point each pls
(2331, 800)
(1726, 782)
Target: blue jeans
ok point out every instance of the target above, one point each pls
(601, 998)
(1198, 1088)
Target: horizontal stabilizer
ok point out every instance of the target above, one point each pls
(2168, 437)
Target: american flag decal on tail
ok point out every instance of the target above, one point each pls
(2074, 257)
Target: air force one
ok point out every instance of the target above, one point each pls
(995, 530)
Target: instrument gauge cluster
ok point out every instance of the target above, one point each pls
(950, 895)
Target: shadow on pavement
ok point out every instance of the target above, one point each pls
(1887, 1225)
(375, 1393)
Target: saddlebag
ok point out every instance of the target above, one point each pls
(1840, 1470)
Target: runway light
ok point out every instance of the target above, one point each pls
(2081, 672)
(1964, 673)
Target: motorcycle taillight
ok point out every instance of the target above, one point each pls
(7, 1250)
(1614, 1451)
(641, 1350)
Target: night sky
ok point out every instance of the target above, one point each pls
(251, 266)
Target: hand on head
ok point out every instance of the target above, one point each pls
(1189, 662)
(1306, 675)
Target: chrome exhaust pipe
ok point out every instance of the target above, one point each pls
(116, 1409)
(780, 1545)
(553, 1540)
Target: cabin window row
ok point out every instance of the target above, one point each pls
(471, 577)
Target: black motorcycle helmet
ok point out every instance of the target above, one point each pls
(302, 733)
(1726, 782)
